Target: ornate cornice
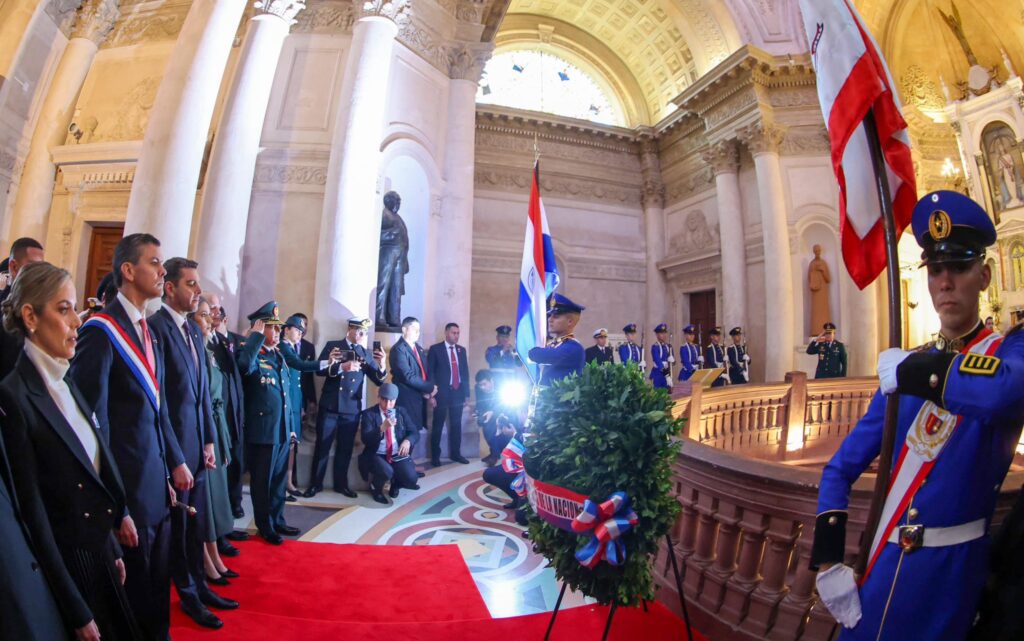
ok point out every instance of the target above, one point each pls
(723, 157)
(466, 61)
(96, 20)
(284, 9)
(291, 174)
(518, 180)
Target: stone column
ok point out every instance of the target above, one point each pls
(163, 195)
(763, 140)
(224, 209)
(454, 251)
(724, 159)
(653, 202)
(32, 207)
(346, 279)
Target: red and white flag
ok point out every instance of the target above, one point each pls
(853, 79)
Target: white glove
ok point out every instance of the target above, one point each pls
(700, 359)
(888, 361)
(668, 380)
(671, 359)
(838, 591)
(643, 364)
(746, 357)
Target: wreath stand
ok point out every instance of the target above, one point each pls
(611, 613)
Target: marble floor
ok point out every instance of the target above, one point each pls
(452, 507)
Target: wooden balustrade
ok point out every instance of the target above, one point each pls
(747, 521)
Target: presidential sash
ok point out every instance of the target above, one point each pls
(129, 351)
(927, 437)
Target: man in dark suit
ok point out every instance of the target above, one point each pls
(389, 434)
(408, 363)
(307, 352)
(30, 612)
(224, 346)
(120, 371)
(187, 389)
(23, 252)
(341, 401)
(600, 351)
(448, 367)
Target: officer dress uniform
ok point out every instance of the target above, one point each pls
(598, 354)
(831, 356)
(660, 353)
(960, 411)
(497, 358)
(714, 358)
(266, 380)
(565, 355)
(690, 359)
(630, 352)
(739, 360)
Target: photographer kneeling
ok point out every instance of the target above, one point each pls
(389, 435)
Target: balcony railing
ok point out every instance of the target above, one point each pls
(748, 489)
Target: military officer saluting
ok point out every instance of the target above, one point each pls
(714, 356)
(830, 352)
(662, 358)
(690, 358)
(738, 358)
(630, 351)
(564, 355)
(600, 351)
(960, 416)
(503, 354)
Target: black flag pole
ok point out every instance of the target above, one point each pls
(892, 405)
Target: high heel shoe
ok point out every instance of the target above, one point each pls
(229, 574)
(218, 581)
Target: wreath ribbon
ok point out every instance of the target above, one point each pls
(606, 523)
(512, 462)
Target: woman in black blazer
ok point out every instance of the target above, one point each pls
(65, 477)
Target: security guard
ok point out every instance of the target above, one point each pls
(600, 352)
(503, 355)
(714, 356)
(830, 352)
(662, 358)
(630, 351)
(960, 416)
(266, 381)
(738, 358)
(690, 358)
(564, 355)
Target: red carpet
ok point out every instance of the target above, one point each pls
(324, 592)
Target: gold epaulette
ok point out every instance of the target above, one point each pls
(924, 348)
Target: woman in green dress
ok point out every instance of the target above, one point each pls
(220, 521)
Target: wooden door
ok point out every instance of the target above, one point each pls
(702, 314)
(101, 257)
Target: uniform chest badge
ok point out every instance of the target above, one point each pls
(930, 431)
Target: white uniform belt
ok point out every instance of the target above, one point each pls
(937, 537)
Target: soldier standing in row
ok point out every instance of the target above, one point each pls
(714, 356)
(738, 358)
(690, 358)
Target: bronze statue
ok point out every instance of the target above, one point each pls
(393, 264)
(818, 281)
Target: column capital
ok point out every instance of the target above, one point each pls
(723, 156)
(284, 9)
(398, 11)
(95, 20)
(466, 61)
(762, 137)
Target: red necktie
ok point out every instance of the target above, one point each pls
(455, 369)
(389, 443)
(147, 345)
(416, 353)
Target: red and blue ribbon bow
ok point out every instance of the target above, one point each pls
(606, 522)
(512, 462)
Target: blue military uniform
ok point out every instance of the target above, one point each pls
(661, 353)
(714, 358)
(565, 355)
(498, 358)
(831, 356)
(739, 360)
(690, 359)
(630, 352)
(961, 413)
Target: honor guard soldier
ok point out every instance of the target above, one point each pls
(503, 354)
(662, 358)
(690, 358)
(564, 355)
(714, 356)
(600, 351)
(960, 416)
(738, 358)
(830, 352)
(630, 351)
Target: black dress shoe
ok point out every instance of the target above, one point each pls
(419, 474)
(460, 459)
(226, 549)
(213, 600)
(237, 512)
(288, 530)
(393, 492)
(434, 462)
(273, 539)
(288, 498)
(415, 486)
(198, 613)
(380, 498)
(294, 493)
(344, 491)
(228, 573)
(312, 491)
(237, 535)
(221, 580)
